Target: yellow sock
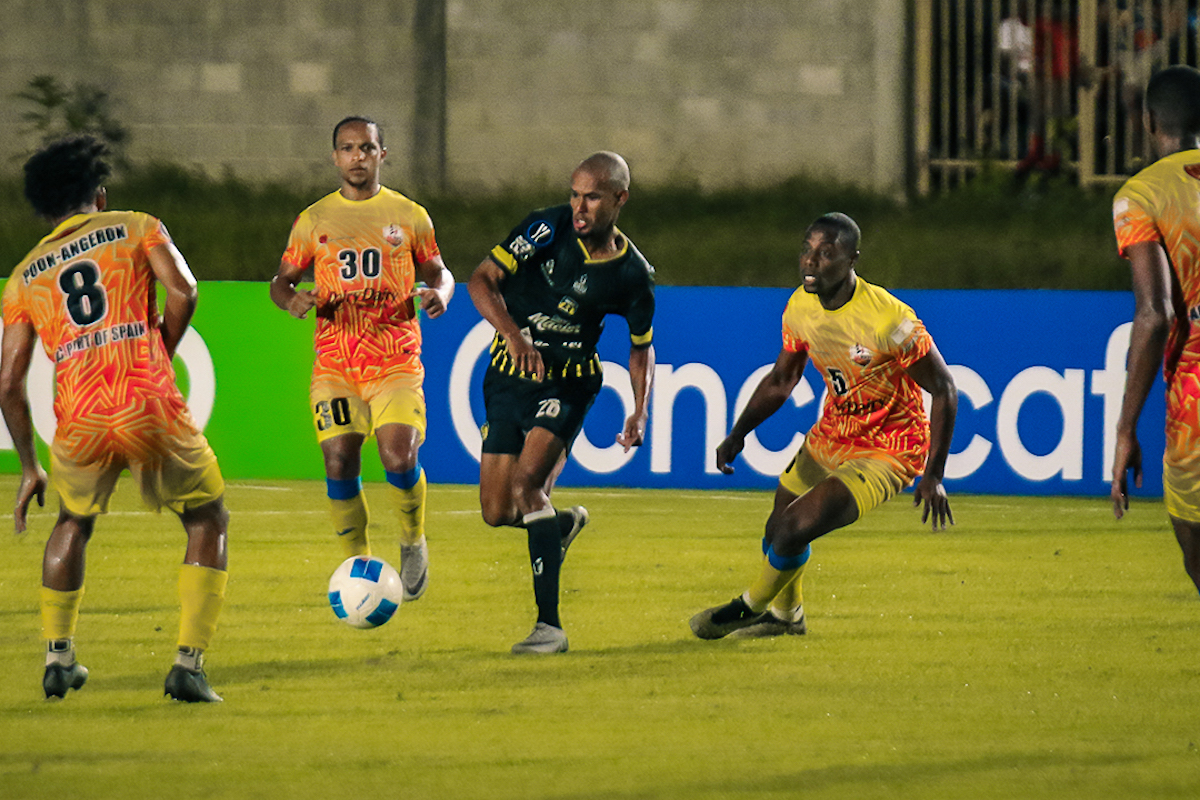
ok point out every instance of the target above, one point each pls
(201, 595)
(60, 613)
(778, 573)
(768, 586)
(350, 524)
(409, 504)
(790, 597)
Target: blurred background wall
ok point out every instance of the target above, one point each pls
(483, 94)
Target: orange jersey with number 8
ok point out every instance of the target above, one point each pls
(89, 291)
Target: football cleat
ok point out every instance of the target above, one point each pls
(544, 638)
(579, 518)
(771, 625)
(414, 569)
(719, 622)
(189, 686)
(58, 679)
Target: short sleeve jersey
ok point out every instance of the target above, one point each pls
(1162, 204)
(364, 255)
(89, 292)
(560, 296)
(862, 350)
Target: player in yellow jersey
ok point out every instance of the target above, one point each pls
(88, 292)
(1157, 219)
(368, 247)
(871, 440)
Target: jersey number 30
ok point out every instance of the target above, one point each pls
(369, 262)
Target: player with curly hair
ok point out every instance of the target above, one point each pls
(88, 292)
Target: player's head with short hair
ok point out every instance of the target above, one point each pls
(1173, 101)
(356, 119)
(845, 230)
(609, 167)
(66, 175)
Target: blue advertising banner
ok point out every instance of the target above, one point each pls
(1040, 376)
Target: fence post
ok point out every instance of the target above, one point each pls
(923, 91)
(1086, 94)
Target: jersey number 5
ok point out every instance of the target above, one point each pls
(838, 381)
(86, 301)
(369, 262)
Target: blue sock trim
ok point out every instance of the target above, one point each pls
(343, 488)
(785, 563)
(404, 480)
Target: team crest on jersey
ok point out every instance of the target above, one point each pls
(860, 355)
(568, 306)
(540, 233)
(394, 235)
(580, 285)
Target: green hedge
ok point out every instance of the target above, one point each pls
(992, 233)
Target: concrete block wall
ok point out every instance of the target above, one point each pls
(713, 92)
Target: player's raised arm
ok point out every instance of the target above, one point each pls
(641, 377)
(297, 302)
(173, 273)
(439, 287)
(768, 397)
(931, 374)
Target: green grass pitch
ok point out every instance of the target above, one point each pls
(1039, 649)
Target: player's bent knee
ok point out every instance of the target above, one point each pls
(499, 517)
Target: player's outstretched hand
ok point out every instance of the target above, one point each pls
(634, 433)
(932, 494)
(1128, 457)
(727, 451)
(301, 303)
(33, 484)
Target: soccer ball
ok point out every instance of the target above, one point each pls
(365, 592)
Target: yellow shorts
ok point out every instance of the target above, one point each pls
(1181, 493)
(871, 481)
(340, 405)
(183, 474)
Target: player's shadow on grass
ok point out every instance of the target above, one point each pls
(998, 769)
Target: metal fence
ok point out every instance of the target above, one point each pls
(1040, 86)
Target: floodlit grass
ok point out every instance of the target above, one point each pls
(1038, 650)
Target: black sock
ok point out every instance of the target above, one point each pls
(545, 558)
(566, 521)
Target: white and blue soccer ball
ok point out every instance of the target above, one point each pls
(365, 592)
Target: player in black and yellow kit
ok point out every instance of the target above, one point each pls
(547, 289)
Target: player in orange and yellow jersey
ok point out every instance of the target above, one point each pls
(368, 246)
(1157, 219)
(88, 292)
(871, 440)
